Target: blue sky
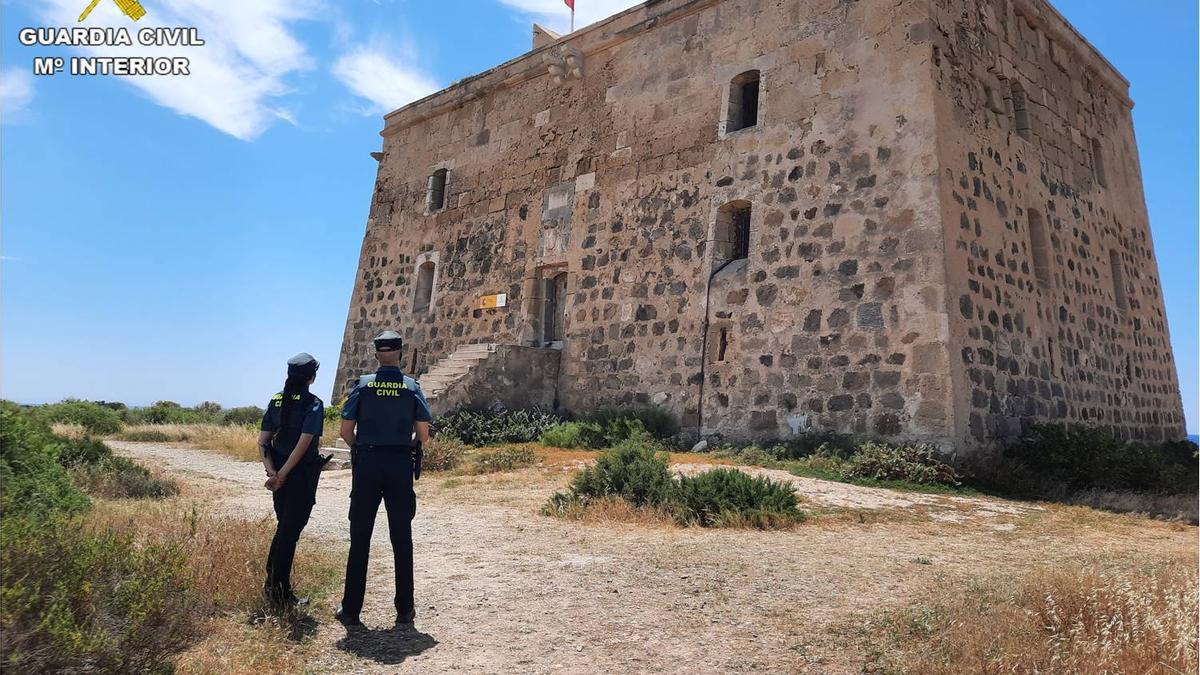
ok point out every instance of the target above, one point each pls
(179, 239)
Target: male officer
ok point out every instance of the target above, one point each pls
(379, 419)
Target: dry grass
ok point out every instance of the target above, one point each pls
(612, 510)
(238, 648)
(552, 457)
(226, 556)
(225, 563)
(1182, 507)
(234, 441)
(75, 431)
(1080, 620)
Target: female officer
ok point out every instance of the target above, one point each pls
(289, 440)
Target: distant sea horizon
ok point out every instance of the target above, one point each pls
(1195, 438)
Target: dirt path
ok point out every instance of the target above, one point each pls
(502, 589)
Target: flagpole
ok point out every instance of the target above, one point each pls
(572, 19)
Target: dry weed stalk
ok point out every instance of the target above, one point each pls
(1084, 620)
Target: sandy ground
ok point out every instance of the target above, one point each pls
(503, 589)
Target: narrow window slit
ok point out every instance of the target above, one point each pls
(437, 190)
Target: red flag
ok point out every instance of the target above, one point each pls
(571, 4)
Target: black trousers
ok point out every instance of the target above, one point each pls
(380, 474)
(293, 505)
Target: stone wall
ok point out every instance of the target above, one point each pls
(1056, 304)
(511, 378)
(888, 287)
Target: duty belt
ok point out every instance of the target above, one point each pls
(384, 448)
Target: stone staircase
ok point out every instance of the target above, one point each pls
(485, 375)
(445, 372)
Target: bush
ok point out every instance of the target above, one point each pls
(504, 459)
(245, 416)
(657, 422)
(333, 413)
(34, 482)
(94, 417)
(573, 435)
(728, 497)
(76, 452)
(74, 600)
(610, 426)
(820, 465)
(753, 454)
(594, 435)
(633, 471)
(170, 412)
(816, 442)
(443, 454)
(492, 428)
(121, 478)
(912, 463)
(1080, 458)
(98, 472)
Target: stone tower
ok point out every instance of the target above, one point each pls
(916, 219)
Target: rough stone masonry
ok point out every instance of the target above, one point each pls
(917, 219)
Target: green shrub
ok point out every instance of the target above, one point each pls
(820, 465)
(93, 417)
(814, 442)
(634, 471)
(595, 434)
(771, 456)
(75, 452)
(728, 497)
(33, 480)
(492, 428)
(121, 478)
(564, 505)
(170, 412)
(913, 463)
(74, 600)
(657, 422)
(210, 409)
(1081, 458)
(443, 454)
(246, 416)
(573, 435)
(333, 413)
(503, 459)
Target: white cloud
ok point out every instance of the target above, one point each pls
(555, 15)
(388, 78)
(237, 77)
(16, 91)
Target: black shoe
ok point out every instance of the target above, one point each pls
(284, 599)
(406, 617)
(345, 619)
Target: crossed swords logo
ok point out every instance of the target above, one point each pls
(130, 8)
